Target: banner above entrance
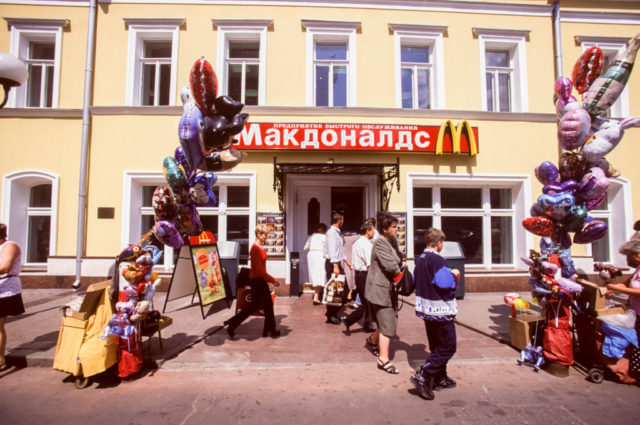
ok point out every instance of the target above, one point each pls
(446, 138)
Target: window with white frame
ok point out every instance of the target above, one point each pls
(482, 216)
(419, 66)
(618, 199)
(610, 47)
(331, 65)
(228, 221)
(30, 211)
(152, 61)
(504, 69)
(242, 47)
(37, 42)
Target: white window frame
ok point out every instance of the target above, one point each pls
(16, 211)
(421, 35)
(134, 181)
(520, 186)
(513, 41)
(620, 227)
(24, 31)
(331, 31)
(141, 30)
(242, 29)
(610, 48)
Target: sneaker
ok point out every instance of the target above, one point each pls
(423, 386)
(444, 383)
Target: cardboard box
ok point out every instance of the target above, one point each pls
(610, 311)
(592, 297)
(523, 329)
(90, 301)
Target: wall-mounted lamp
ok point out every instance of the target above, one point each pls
(13, 73)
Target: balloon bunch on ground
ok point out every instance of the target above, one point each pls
(579, 182)
(206, 131)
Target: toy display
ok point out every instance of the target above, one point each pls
(577, 185)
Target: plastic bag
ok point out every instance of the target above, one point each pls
(624, 321)
(334, 292)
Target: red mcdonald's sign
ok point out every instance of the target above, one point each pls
(446, 138)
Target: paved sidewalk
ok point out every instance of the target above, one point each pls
(193, 343)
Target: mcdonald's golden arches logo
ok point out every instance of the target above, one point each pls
(455, 134)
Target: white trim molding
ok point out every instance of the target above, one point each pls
(141, 30)
(242, 29)
(429, 35)
(15, 202)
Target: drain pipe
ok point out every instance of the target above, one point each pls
(557, 39)
(84, 152)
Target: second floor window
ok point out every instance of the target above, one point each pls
(243, 66)
(416, 77)
(331, 68)
(156, 73)
(498, 77)
(41, 64)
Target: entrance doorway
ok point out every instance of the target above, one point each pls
(313, 200)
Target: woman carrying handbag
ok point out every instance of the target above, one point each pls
(260, 292)
(383, 272)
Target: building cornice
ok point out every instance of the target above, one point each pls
(501, 32)
(242, 22)
(322, 23)
(439, 29)
(600, 40)
(177, 22)
(40, 22)
(618, 18)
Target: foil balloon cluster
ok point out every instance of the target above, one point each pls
(205, 130)
(579, 182)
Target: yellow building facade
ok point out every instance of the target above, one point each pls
(346, 103)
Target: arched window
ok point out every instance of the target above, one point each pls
(29, 208)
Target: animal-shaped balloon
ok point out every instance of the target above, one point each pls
(187, 98)
(204, 85)
(593, 187)
(568, 186)
(167, 233)
(164, 206)
(125, 307)
(587, 68)
(190, 133)
(607, 135)
(201, 188)
(575, 218)
(569, 285)
(130, 253)
(188, 220)
(532, 356)
(573, 128)
(607, 271)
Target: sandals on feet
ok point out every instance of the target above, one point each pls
(388, 367)
(4, 366)
(374, 348)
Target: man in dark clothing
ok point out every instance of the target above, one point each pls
(334, 255)
(436, 305)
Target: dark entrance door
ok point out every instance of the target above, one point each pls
(349, 201)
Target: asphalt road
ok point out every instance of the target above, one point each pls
(358, 393)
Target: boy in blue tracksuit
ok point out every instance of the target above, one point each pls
(435, 304)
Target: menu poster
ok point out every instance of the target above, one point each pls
(274, 245)
(402, 230)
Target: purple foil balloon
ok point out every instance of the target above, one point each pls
(594, 185)
(569, 186)
(592, 231)
(168, 234)
(178, 155)
(547, 173)
(573, 128)
(556, 206)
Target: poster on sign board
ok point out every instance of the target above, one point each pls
(274, 245)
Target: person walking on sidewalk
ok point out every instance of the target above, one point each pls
(334, 255)
(361, 257)
(260, 293)
(315, 261)
(385, 269)
(436, 306)
(10, 287)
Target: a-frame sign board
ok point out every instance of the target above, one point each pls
(198, 270)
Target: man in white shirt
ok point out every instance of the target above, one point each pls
(361, 257)
(334, 254)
